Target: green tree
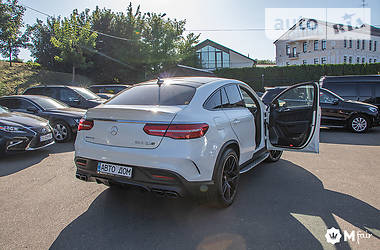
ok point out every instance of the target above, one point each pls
(11, 37)
(75, 40)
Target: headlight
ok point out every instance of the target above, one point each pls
(372, 109)
(13, 129)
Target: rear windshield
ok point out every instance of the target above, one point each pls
(170, 95)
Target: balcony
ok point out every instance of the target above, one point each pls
(294, 55)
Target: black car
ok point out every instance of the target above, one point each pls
(364, 88)
(338, 112)
(108, 88)
(76, 97)
(63, 118)
(23, 132)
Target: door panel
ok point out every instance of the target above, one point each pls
(294, 119)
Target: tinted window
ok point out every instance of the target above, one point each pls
(24, 105)
(69, 95)
(86, 94)
(301, 96)
(346, 89)
(270, 94)
(234, 96)
(170, 95)
(224, 97)
(214, 101)
(326, 97)
(8, 103)
(33, 91)
(49, 103)
(248, 101)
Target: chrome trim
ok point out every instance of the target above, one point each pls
(32, 149)
(22, 140)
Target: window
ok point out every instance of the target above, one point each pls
(234, 97)
(214, 101)
(212, 58)
(375, 60)
(374, 45)
(363, 60)
(68, 95)
(350, 59)
(350, 44)
(323, 44)
(248, 101)
(326, 98)
(287, 63)
(301, 96)
(294, 52)
(304, 46)
(304, 62)
(357, 59)
(85, 93)
(370, 60)
(358, 44)
(323, 60)
(147, 94)
(316, 45)
(363, 44)
(345, 43)
(16, 103)
(344, 59)
(287, 49)
(316, 61)
(370, 45)
(9, 103)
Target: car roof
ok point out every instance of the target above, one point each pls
(193, 81)
(31, 97)
(55, 86)
(112, 85)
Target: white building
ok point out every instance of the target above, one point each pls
(312, 41)
(213, 56)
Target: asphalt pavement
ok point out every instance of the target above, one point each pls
(284, 205)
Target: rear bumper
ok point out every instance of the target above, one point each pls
(162, 182)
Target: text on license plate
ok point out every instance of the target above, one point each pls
(107, 168)
(46, 137)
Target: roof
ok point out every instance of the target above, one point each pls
(373, 30)
(348, 78)
(221, 47)
(189, 81)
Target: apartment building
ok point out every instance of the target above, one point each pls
(327, 43)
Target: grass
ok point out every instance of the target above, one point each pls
(15, 79)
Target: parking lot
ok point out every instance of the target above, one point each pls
(284, 205)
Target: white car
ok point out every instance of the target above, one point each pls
(193, 135)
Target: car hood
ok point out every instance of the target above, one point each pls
(26, 120)
(362, 104)
(72, 112)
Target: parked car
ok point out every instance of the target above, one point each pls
(338, 112)
(23, 132)
(76, 97)
(63, 118)
(108, 88)
(364, 88)
(192, 135)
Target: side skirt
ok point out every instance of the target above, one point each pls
(257, 158)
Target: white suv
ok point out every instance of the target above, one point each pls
(193, 135)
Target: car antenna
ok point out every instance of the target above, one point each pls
(159, 82)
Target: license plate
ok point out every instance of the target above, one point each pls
(46, 137)
(107, 168)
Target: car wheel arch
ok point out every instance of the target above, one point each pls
(359, 114)
(234, 145)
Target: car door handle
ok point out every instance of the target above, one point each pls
(236, 121)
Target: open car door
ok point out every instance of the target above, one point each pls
(294, 119)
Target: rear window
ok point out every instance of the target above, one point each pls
(170, 95)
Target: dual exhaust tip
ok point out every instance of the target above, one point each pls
(81, 177)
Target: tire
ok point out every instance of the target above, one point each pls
(61, 131)
(359, 123)
(274, 155)
(226, 181)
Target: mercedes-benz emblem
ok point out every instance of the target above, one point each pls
(114, 130)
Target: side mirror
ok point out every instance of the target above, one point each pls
(32, 109)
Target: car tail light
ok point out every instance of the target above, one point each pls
(177, 131)
(85, 124)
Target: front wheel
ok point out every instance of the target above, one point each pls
(359, 124)
(274, 155)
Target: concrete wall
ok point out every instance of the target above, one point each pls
(238, 61)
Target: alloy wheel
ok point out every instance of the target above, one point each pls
(359, 124)
(60, 132)
(230, 178)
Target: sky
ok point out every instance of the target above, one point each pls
(227, 16)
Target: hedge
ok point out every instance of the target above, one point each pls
(289, 75)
